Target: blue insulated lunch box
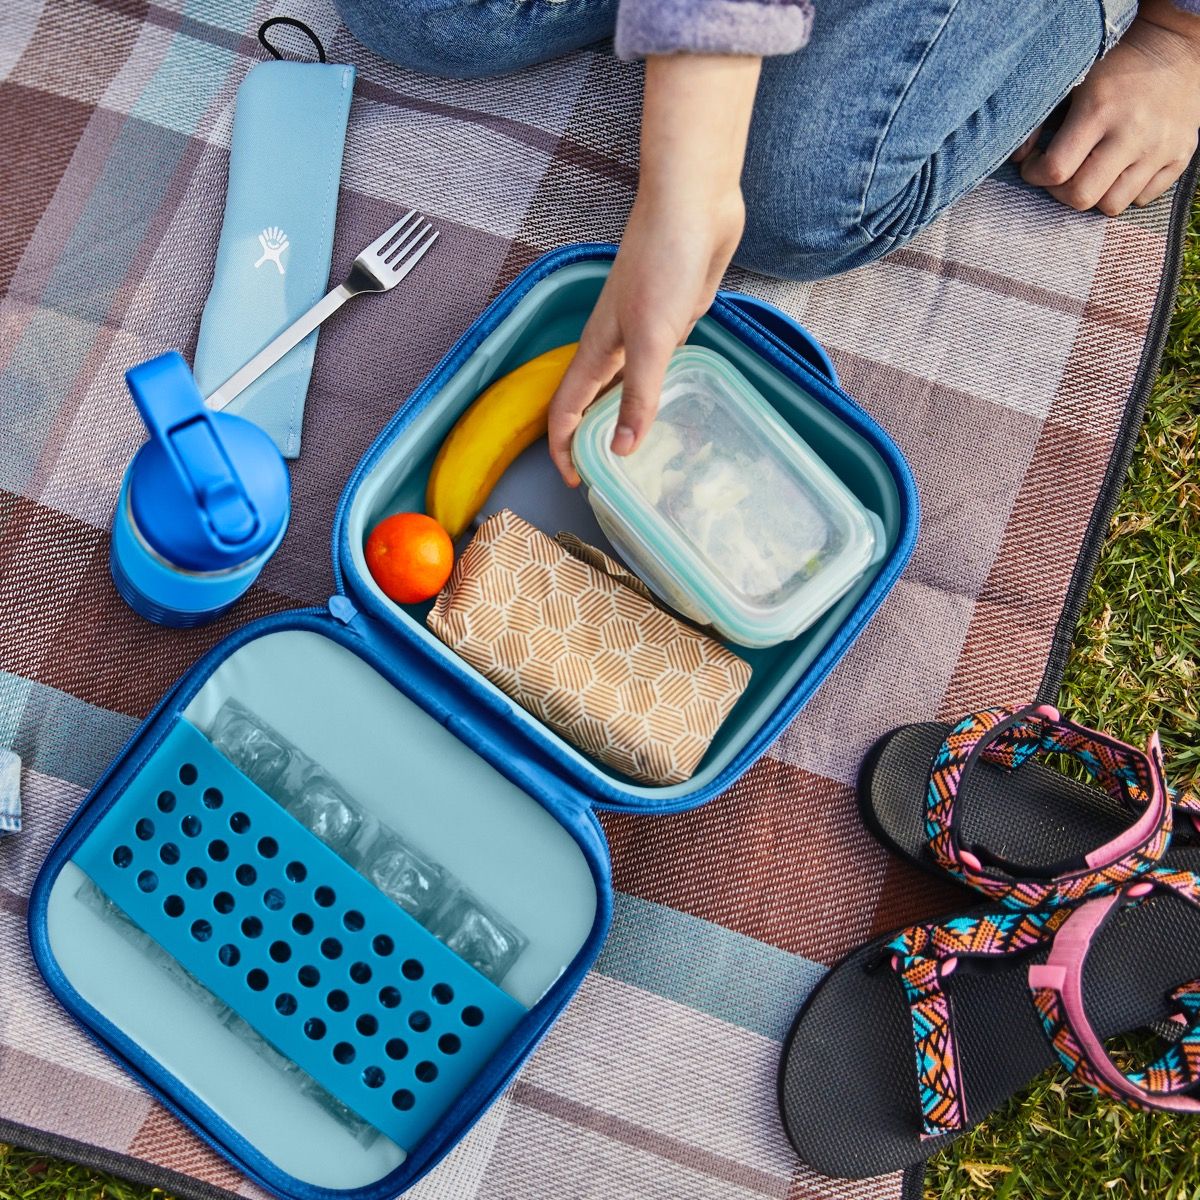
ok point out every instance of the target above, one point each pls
(338, 886)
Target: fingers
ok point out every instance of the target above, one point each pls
(595, 363)
(1126, 188)
(1056, 164)
(1158, 183)
(1103, 167)
(1023, 151)
(647, 353)
(1097, 159)
(1110, 178)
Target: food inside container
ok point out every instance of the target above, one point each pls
(724, 510)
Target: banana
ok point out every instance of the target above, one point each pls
(506, 418)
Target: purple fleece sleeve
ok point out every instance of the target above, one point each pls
(1192, 6)
(713, 26)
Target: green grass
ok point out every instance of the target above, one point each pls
(1135, 666)
(25, 1176)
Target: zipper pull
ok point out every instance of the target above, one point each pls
(342, 608)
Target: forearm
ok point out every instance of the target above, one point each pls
(695, 122)
(681, 234)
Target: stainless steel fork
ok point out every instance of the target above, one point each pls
(378, 268)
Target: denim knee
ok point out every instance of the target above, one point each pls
(788, 252)
(467, 39)
(436, 37)
(797, 234)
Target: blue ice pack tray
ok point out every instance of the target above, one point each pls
(327, 968)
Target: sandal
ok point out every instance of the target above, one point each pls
(918, 1035)
(975, 803)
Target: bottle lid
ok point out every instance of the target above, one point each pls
(209, 491)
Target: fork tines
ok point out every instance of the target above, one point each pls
(390, 235)
(409, 235)
(398, 250)
(412, 247)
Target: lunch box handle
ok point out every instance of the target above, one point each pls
(792, 335)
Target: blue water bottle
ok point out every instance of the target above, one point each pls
(203, 504)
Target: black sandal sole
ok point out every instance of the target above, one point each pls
(1034, 815)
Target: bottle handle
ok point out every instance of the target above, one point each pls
(173, 411)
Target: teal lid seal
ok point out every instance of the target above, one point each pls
(724, 510)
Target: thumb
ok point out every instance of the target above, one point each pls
(595, 363)
(646, 357)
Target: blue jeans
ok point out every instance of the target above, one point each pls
(894, 110)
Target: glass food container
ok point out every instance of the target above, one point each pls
(724, 510)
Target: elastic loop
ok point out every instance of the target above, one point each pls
(291, 21)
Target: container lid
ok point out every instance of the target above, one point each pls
(732, 503)
(208, 491)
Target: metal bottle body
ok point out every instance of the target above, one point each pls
(167, 594)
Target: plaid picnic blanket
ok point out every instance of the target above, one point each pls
(1007, 351)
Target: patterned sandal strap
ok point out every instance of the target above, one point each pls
(1012, 735)
(1057, 988)
(1187, 801)
(923, 956)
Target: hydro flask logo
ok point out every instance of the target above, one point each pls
(273, 242)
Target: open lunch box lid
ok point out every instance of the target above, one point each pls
(422, 742)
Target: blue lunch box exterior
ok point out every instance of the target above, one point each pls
(354, 619)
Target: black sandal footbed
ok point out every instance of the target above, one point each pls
(1034, 815)
(847, 1082)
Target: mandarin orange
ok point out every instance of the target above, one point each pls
(410, 556)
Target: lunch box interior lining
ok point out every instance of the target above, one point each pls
(405, 767)
(550, 314)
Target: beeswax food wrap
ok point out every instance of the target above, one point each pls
(618, 676)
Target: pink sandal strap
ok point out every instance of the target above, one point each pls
(1011, 735)
(1057, 987)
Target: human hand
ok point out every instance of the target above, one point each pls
(682, 231)
(1131, 125)
(664, 278)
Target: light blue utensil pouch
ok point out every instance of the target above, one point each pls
(273, 259)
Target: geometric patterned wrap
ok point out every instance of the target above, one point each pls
(610, 671)
(1010, 736)
(923, 955)
(1157, 1086)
